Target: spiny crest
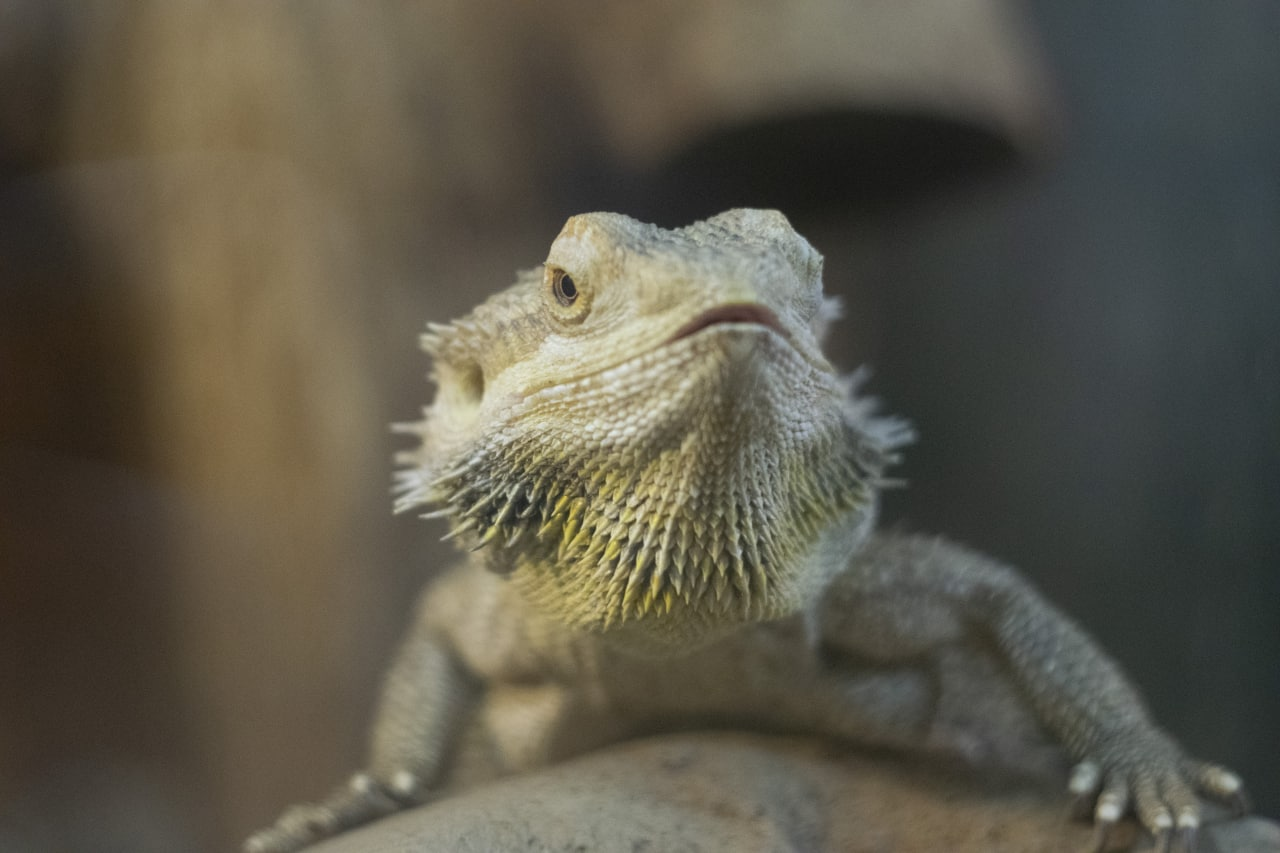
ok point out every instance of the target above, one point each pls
(439, 336)
(883, 434)
(496, 331)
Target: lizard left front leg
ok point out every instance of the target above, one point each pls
(1125, 762)
(425, 701)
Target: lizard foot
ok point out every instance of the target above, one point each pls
(360, 801)
(1149, 776)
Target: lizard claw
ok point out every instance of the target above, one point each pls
(1110, 800)
(1148, 776)
(360, 801)
(1086, 778)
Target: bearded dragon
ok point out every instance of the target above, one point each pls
(667, 494)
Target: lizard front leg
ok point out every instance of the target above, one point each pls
(1125, 762)
(426, 698)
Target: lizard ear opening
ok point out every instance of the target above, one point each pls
(462, 381)
(471, 381)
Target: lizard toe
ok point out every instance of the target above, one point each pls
(1112, 803)
(295, 829)
(1152, 810)
(363, 799)
(1086, 779)
(1180, 800)
(301, 825)
(1218, 783)
(1186, 838)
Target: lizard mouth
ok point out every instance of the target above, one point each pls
(743, 312)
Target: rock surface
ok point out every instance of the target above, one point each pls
(722, 792)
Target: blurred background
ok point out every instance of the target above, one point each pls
(1055, 226)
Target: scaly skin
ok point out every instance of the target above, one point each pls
(668, 496)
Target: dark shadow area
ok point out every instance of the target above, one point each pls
(824, 163)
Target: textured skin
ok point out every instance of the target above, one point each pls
(668, 495)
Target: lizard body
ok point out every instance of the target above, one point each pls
(669, 494)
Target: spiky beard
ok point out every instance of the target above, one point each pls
(674, 518)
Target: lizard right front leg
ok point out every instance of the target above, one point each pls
(425, 700)
(904, 595)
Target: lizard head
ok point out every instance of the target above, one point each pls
(644, 432)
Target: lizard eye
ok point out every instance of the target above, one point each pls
(563, 286)
(570, 298)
